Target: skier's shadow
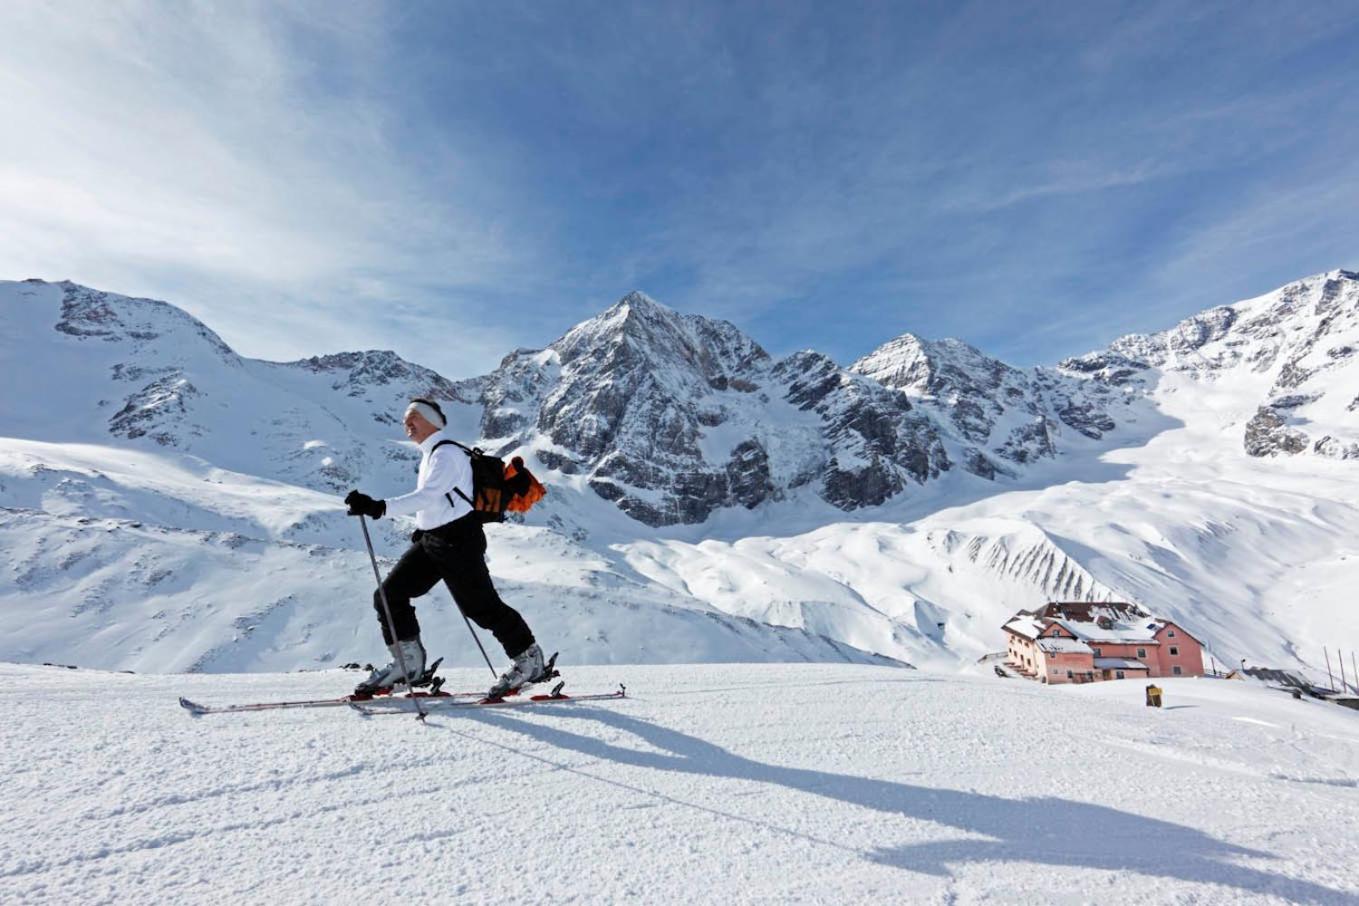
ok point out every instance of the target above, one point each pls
(1044, 830)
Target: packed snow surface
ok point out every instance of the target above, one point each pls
(709, 784)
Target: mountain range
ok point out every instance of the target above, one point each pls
(169, 504)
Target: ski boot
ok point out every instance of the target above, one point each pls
(382, 680)
(528, 668)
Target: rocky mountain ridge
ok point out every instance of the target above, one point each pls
(671, 417)
(1297, 347)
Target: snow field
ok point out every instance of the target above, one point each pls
(713, 783)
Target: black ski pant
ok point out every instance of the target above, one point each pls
(456, 553)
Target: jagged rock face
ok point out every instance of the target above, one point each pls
(748, 478)
(160, 344)
(633, 370)
(627, 398)
(669, 416)
(158, 410)
(90, 314)
(356, 374)
(1268, 433)
(878, 442)
(996, 415)
(1107, 367)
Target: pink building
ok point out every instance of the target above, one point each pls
(1085, 642)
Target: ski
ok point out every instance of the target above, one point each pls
(427, 686)
(556, 696)
(197, 709)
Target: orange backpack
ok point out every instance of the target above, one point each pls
(524, 490)
(497, 486)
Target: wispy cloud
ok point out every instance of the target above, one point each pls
(206, 151)
(453, 181)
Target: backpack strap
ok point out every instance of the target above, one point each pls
(466, 449)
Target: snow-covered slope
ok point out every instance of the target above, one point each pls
(710, 784)
(94, 367)
(905, 506)
(148, 597)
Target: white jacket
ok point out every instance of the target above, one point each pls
(442, 473)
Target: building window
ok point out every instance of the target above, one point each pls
(1176, 670)
(1097, 652)
(1141, 652)
(1170, 634)
(1118, 673)
(1174, 651)
(1068, 674)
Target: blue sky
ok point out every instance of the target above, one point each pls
(454, 180)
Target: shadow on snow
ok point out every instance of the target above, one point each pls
(1046, 830)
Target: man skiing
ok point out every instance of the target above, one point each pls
(449, 544)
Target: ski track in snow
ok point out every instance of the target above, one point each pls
(713, 783)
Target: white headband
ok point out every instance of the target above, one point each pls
(427, 412)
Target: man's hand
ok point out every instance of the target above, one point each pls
(360, 504)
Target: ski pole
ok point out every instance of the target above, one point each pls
(474, 636)
(391, 626)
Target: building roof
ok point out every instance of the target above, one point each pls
(1092, 611)
(1062, 645)
(1024, 625)
(1119, 663)
(1139, 633)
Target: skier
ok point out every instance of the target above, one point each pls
(450, 544)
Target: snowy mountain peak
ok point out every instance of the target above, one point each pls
(358, 372)
(96, 367)
(998, 416)
(638, 327)
(902, 363)
(933, 367)
(640, 302)
(1252, 332)
(1293, 354)
(111, 318)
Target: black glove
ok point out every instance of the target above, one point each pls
(360, 504)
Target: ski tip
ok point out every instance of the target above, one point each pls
(195, 709)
